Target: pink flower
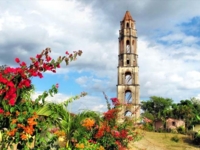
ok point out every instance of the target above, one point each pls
(57, 85)
(17, 60)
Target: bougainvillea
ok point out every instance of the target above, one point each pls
(20, 124)
(36, 124)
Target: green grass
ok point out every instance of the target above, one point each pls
(162, 141)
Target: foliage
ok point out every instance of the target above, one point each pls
(91, 130)
(181, 130)
(36, 124)
(196, 138)
(148, 127)
(163, 108)
(157, 106)
(20, 124)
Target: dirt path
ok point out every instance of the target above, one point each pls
(162, 141)
(146, 144)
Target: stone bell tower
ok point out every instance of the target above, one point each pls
(128, 81)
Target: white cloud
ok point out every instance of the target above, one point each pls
(165, 70)
(89, 103)
(84, 103)
(162, 74)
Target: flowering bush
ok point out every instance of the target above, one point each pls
(20, 123)
(36, 124)
(94, 131)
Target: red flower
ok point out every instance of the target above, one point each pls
(48, 58)
(38, 56)
(17, 60)
(58, 65)
(40, 75)
(130, 138)
(116, 134)
(110, 114)
(67, 52)
(100, 133)
(1, 111)
(115, 101)
(123, 133)
(12, 102)
(23, 64)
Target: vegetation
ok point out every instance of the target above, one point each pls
(158, 108)
(35, 124)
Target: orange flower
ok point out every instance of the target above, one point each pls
(7, 113)
(81, 146)
(35, 116)
(11, 132)
(88, 123)
(24, 112)
(31, 121)
(60, 133)
(24, 136)
(14, 121)
(17, 113)
(101, 148)
(20, 125)
(29, 130)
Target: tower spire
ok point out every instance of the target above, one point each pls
(127, 16)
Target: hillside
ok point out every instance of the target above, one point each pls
(162, 141)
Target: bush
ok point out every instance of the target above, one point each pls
(181, 130)
(148, 127)
(175, 138)
(196, 139)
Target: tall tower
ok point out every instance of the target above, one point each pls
(128, 81)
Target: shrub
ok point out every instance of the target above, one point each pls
(196, 139)
(175, 138)
(181, 130)
(148, 127)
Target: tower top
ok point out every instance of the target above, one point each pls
(128, 16)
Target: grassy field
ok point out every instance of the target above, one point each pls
(162, 141)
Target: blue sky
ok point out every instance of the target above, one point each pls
(168, 45)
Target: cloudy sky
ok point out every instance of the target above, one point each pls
(168, 45)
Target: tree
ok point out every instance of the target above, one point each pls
(159, 107)
(185, 110)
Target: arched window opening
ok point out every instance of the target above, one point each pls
(128, 113)
(127, 25)
(128, 97)
(128, 62)
(128, 78)
(128, 49)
